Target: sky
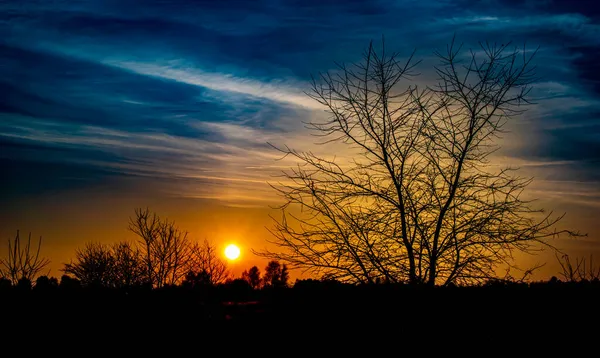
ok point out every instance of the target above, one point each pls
(108, 106)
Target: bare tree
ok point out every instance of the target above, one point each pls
(421, 202)
(165, 247)
(22, 262)
(129, 266)
(581, 270)
(205, 261)
(94, 265)
(113, 266)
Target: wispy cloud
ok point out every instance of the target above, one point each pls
(242, 163)
(274, 90)
(193, 95)
(572, 28)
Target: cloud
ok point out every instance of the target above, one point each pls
(273, 91)
(241, 162)
(190, 92)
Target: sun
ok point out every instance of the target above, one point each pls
(232, 252)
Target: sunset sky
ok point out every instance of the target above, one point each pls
(111, 105)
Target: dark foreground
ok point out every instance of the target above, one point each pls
(330, 314)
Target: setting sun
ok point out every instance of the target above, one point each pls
(232, 252)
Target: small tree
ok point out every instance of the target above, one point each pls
(197, 280)
(22, 262)
(112, 266)
(252, 276)
(204, 260)
(165, 248)
(284, 276)
(24, 284)
(94, 265)
(276, 275)
(129, 267)
(581, 270)
(69, 283)
(44, 283)
(5, 284)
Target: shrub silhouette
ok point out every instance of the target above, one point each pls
(45, 283)
(197, 281)
(69, 283)
(24, 284)
(5, 284)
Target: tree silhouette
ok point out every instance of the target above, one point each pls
(129, 267)
(421, 201)
(165, 248)
(284, 276)
(94, 265)
(24, 284)
(581, 270)
(116, 266)
(68, 283)
(252, 276)
(5, 284)
(22, 262)
(164, 257)
(44, 283)
(276, 275)
(195, 280)
(205, 261)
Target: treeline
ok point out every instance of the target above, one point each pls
(164, 279)
(321, 303)
(274, 279)
(163, 257)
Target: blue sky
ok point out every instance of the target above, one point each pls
(179, 98)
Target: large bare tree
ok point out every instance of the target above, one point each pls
(420, 202)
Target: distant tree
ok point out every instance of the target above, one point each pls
(69, 283)
(165, 248)
(205, 260)
(275, 275)
(111, 266)
(271, 273)
(236, 290)
(580, 270)
(420, 201)
(22, 262)
(94, 265)
(196, 280)
(5, 284)
(284, 276)
(252, 276)
(129, 266)
(45, 283)
(24, 284)
(238, 284)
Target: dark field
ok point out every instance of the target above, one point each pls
(316, 309)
